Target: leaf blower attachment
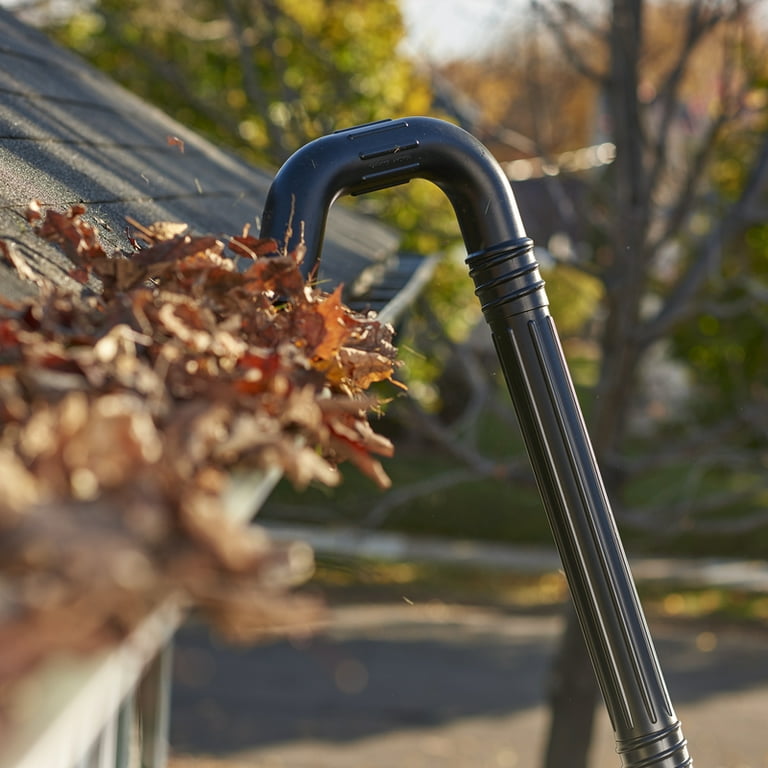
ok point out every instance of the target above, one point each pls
(513, 298)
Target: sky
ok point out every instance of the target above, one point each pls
(441, 29)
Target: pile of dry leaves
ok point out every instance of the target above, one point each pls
(122, 410)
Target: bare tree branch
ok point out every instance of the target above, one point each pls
(558, 28)
(419, 489)
(699, 23)
(574, 15)
(479, 388)
(732, 525)
(670, 519)
(698, 456)
(686, 198)
(711, 247)
(451, 444)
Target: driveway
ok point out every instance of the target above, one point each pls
(404, 685)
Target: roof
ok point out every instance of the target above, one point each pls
(69, 134)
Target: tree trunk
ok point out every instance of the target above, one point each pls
(574, 691)
(572, 701)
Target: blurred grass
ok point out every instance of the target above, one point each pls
(344, 579)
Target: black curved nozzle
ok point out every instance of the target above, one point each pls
(392, 152)
(384, 154)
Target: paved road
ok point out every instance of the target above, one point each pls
(400, 685)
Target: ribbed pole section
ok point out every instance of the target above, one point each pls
(511, 292)
(512, 295)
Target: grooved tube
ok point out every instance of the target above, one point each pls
(630, 678)
(511, 292)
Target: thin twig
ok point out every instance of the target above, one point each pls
(678, 305)
(419, 489)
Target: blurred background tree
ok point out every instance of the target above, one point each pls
(673, 229)
(264, 77)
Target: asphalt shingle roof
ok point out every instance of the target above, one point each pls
(69, 134)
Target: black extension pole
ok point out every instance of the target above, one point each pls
(511, 291)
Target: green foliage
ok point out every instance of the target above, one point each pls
(574, 296)
(725, 346)
(422, 213)
(265, 76)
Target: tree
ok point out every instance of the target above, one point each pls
(669, 230)
(263, 76)
(655, 195)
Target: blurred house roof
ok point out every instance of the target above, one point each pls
(69, 134)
